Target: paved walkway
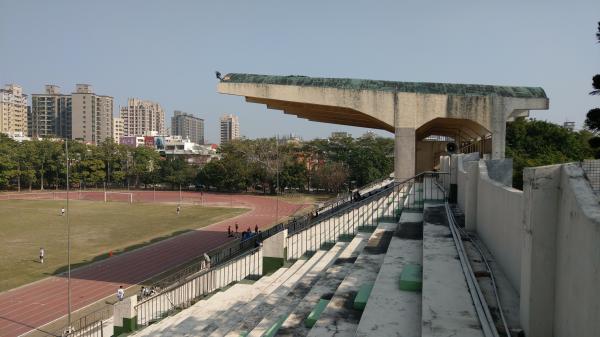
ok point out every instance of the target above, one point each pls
(34, 305)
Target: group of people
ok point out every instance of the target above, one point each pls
(247, 234)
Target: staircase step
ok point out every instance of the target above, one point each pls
(339, 317)
(324, 288)
(248, 317)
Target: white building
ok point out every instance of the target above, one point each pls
(13, 110)
(117, 130)
(230, 128)
(142, 116)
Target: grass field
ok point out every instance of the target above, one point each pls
(96, 229)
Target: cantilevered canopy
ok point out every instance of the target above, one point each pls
(411, 110)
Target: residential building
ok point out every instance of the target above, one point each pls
(142, 116)
(230, 128)
(50, 114)
(340, 134)
(187, 125)
(569, 126)
(117, 130)
(13, 110)
(92, 115)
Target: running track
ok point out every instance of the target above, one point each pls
(34, 305)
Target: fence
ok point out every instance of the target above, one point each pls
(229, 263)
(592, 173)
(205, 282)
(365, 212)
(483, 146)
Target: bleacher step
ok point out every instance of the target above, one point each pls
(339, 318)
(324, 288)
(390, 311)
(248, 317)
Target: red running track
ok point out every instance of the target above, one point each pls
(32, 306)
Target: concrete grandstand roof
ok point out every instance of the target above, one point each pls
(390, 86)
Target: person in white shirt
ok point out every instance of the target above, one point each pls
(120, 293)
(42, 252)
(62, 211)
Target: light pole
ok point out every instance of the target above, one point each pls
(277, 179)
(68, 243)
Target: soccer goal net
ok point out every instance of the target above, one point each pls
(118, 196)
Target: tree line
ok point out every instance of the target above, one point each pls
(330, 165)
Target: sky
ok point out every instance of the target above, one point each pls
(168, 51)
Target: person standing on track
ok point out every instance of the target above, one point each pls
(236, 229)
(42, 252)
(120, 293)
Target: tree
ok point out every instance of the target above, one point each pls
(592, 120)
(536, 143)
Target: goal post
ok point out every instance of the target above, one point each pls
(118, 196)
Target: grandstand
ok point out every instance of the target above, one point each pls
(398, 261)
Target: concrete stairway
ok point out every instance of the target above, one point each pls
(234, 324)
(221, 300)
(401, 279)
(339, 317)
(391, 311)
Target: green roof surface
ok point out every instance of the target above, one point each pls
(416, 87)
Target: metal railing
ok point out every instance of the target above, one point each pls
(221, 258)
(194, 288)
(482, 146)
(366, 212)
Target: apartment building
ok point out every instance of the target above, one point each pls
(117, 129)
(13, 110)
(230, 128)
(187, 126)
(141, 117)
(91, 115)
(50, 114)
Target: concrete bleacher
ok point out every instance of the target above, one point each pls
(368, 284)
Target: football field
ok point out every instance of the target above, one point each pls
(96, 229)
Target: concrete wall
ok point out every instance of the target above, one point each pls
(546, 240)
(577, 285)
(499, 223)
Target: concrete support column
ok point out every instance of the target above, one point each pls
(125, 316)
(404, 153)
(472, 169)
(538, 254)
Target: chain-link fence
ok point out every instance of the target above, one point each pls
(591, 167)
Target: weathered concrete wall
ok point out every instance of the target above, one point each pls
(467, 177)
(499, 223)
(546, 240)
(577, 285)
(540, 186)
(274, 246)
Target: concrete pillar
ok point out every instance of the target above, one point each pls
(538, 258)
(274, 252)
(472, 169)
(404, 153)
(124, 316)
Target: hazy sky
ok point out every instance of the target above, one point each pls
(167, 51)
